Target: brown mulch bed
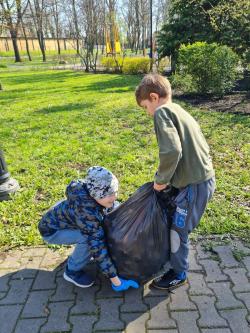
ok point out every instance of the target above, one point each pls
(238, 102)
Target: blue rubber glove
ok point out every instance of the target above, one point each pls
(125, 284)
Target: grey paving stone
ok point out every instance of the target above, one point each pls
(245, 297)
(109, 315)
(34, 251)
(57, 321)
(213, 271)
(52, 259)
(246, 262)
(18, 292)
(106, 291)
(11, 260)
(133, 301)
(239, 279)
(159, 315)
(45, 280)
(186, 321)
(216, 330)
(6, 272)
(198, 285)
(226, 256)
(4, 280)
(193, 264)
(201, 253)
(29, 325)
(8, 317)
(85, 301)
(238, 245)
(25, 274)
(180, 300)
(225, 297)
(135, 322)
(237, 320)
(3, 294)
(28, 267)
(64, 291)
(208, 312)
(35, 305)
(60, 269)
(150, 291)
(82, 324)
(163, 331)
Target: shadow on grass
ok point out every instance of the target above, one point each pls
(40, 77)
(114, 84)
(65, 108)
(101, 84)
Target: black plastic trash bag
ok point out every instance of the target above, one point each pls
(138, 234)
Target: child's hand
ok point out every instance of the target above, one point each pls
(159, 187)
(125, 284)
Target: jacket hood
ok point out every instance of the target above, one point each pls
(77, 189)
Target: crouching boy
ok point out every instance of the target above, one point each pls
(78, 220)
(184, 163)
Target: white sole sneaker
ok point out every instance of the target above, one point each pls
(67, 278)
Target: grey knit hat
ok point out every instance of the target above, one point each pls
(100, 182)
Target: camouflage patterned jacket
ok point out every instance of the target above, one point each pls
(80, 211)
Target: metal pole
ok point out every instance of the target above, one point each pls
(151, 34)
(4, 174)
(7, 185)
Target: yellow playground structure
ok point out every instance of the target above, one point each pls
(113, 45)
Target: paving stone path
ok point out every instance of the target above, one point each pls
(34, 298)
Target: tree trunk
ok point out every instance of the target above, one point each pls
(41, 44)
(76, 26)
(173, 62)
(26, 42)
(15, 46)
(58, 45)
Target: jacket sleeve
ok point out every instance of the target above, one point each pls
(170, 149)
(88, 219)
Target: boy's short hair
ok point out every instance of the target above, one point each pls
(152, 83)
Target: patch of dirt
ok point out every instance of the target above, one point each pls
(78, 166)
(238, 102)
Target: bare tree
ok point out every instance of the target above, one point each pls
(76, 25)
(110, 22)
(54, 6)
(26, 39)
(12, 13)
(37, 12)
(136, 17)
(91, 32)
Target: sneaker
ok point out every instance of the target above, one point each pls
(170, 280)
(79, 279)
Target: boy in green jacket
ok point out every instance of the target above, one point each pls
(184, 163)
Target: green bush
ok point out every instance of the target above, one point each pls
(3, 66)
(212, 67)
(136, 65)
(163, 65)
(183, 83)
(133, 65)
(112, 64)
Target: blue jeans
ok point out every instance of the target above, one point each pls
(80, 257)
(190, 206)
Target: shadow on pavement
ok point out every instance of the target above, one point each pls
(40, 300)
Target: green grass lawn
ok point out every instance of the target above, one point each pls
(7, 60)
(56, 124)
